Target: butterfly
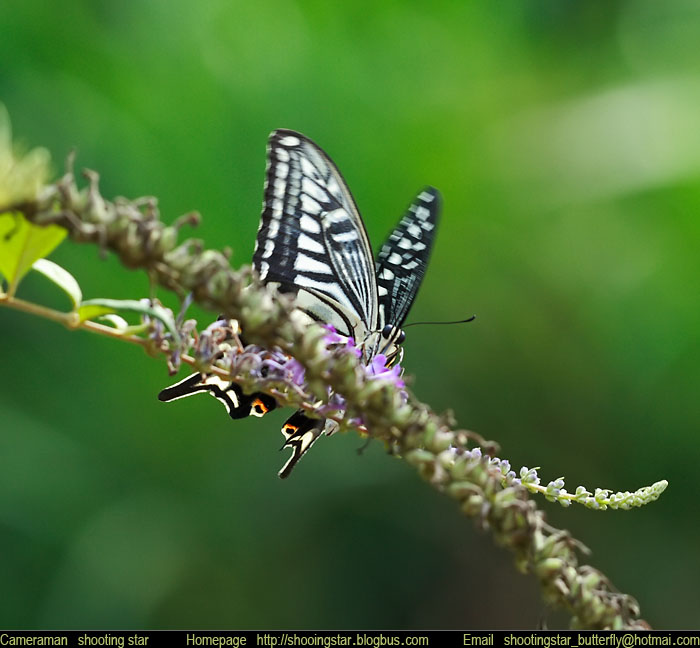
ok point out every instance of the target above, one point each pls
(312, 243)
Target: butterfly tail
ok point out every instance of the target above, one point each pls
(187, 387)
(300, 433)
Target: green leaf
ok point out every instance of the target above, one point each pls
(22, 243)
(142, 307)
(92, 311)
(62, 278)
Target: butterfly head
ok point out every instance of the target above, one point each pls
(386, 342)
(393, 334)
(393, 338)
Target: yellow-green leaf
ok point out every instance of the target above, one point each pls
(62, 278)
(93, 311)
(22, 243)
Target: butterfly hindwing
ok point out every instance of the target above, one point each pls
(403, 259)
(237, 404)
(300, 432)
(311, 238)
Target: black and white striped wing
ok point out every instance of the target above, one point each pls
(403, 259)
(311, 239)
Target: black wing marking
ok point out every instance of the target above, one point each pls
(311, 238)
(403, 259)
(237, 404)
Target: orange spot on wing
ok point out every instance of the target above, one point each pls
(260, 407)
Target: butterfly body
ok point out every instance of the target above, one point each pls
(312, 243)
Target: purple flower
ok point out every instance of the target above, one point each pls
(336, 403)
(283, 367)
(332, 337)
(335, 339)
(297, 371)
(378, 369)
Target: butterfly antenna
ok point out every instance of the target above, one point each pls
(464, 321)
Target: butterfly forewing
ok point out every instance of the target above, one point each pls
(403, 259)
(311, 238)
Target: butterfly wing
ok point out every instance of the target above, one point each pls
(300, 433)
(311, 239)
(237, 404)
(403, 259)
(312, 242)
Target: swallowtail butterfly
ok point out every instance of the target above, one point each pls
(312, 242)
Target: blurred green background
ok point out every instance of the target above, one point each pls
(564, 137)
